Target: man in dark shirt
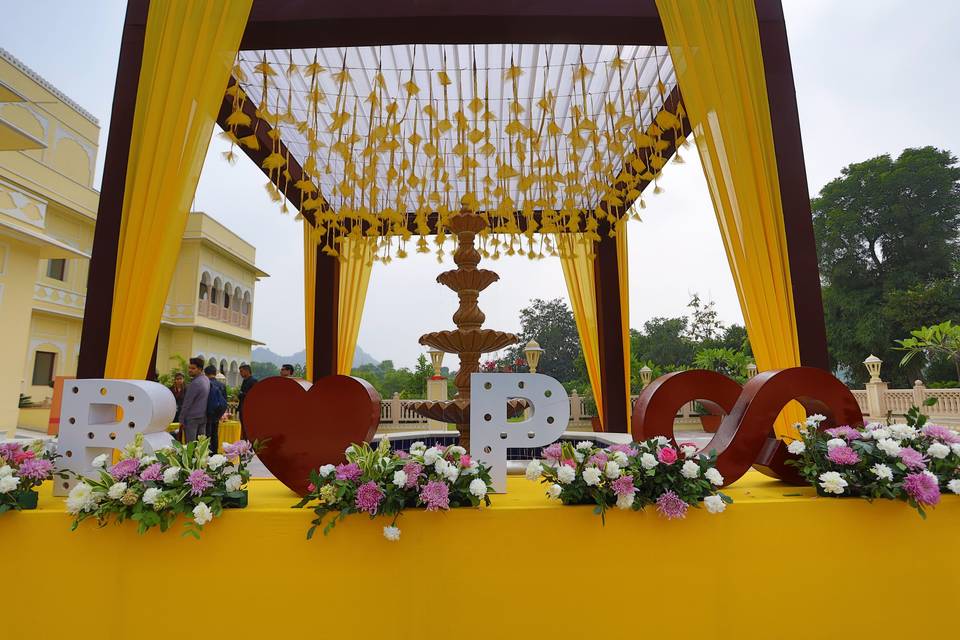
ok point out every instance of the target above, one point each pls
(248, 381)
(193, 410)
(213, 419)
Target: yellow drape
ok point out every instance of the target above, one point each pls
(715, 48)
(355, 268)
(624, 281)
(189, 50)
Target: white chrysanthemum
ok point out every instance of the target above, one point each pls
(478, 487)
(400, 478)
(170, 475)
(430, 456)
(216, 461)
(391, 533)
(690, 469)
(8, 483)
(612, 470)
(903, 432)
(714, 504)
(233, 482)
(578, 456)
(554, 491)
(6, 471)
(99, 461)
(534, 469)
(326, 470)
(832, 482)
(621, 458)
(688, 451)
(417, 449)
(451, 472)
(202, 514)
(955, 447)
(889, 446)
(584, 445)
(457, 449)
(713, 476)
(591, 476)
(938, 450)
(566, 474)
(625, 501)
(116, 490)
(81, 498)
(150, 495)
(882, 471)
(833, 443)
(880, 433)
(797, 447)
(954, 486)
(648, 461)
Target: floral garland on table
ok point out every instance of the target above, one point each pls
(631, 476)
(384, 482)
(23, 468)
(153, 489)
(910, 462)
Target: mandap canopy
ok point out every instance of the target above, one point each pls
(377, 120)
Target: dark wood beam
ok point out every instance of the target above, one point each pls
(794, 192)
(606, 274)
(326, 312)
(98, 308)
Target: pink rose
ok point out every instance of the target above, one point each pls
(465, 461)
(667, 455)
(311, 488)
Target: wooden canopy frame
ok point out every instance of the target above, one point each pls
(286, 24)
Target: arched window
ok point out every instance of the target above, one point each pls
(227, 295)
(246, 303)
(215, 292)
(223, 366)
(204, 286)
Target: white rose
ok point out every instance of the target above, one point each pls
(99, 461)
(555, 490)
(216, 461)
(882, 471)
(621, 458)
(714, 504)
(833, 443)
(938, 450)
(612, 470)
(648, 461)
(430, 456)
(400, 478)
(889, 447)
(954, 486)
(566, 474)
(478, 487)
(625, 501)
(150, 495)
(391, 533)
(233, 482)
(170, 474)
(690, 469)
(797, 447)
(584, 445)
(116, 490)
(591, 476)
(534, 469)
(713, 476)
(688, 451)
(202, 514)
(832, 482)
(8, 483)
(416, 449)
(451, 473)
(326, 470)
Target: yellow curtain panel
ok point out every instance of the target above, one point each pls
(189, 50)
(310, 240)
(715, 48)
(624, 280)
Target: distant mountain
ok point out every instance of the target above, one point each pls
(262, 354)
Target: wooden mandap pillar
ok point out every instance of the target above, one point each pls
(326, 315)
(606, 275)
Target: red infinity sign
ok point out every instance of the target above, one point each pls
(745, 437)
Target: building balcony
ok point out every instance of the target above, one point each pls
(232, 317)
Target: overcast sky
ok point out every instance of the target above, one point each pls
(872, 77)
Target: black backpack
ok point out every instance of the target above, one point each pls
(216, 401)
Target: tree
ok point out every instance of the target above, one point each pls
(664, 342)
(941, 340)
(729, 362)
(551, 324)
(887, 245)
(261, 370)
(704, 323)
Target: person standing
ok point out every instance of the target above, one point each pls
(246, 373)
(193, 410)
(178, 389)
(216, 407)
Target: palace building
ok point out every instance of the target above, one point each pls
(48, 209)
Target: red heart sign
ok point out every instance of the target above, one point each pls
(309, 425)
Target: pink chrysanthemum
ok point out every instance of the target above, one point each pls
(154, 473)
(623, 486)
(369, 497)
(599, 459)
(436, 495)
(671, 506)
(38, 469)
(553, 452)
(199, 482)
(843, 455)
(912, 458)
(125, 468)
(348, 471)
(845, 432)
(622, 448)
(9, 449)
(923, 488)
(238, 449)
(944, 434)
(412, 471)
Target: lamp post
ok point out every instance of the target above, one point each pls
(872, 363)
(436, 359)
(645, 374)
(533, 352)
(751, 370)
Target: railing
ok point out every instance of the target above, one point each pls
(232, 317)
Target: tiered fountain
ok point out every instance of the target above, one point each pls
(468, 340)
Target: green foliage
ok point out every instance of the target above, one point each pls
(887, 246)
(388, 380)
(261, 370)
(704, 324)
(939, 340)
(180, 366)
(726, 361)
(551, 324)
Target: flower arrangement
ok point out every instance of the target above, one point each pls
(23, 468)
(631, 476)
(912, 462)
(153, 489)
(384, 482)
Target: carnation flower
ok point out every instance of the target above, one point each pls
(202, 514)
(391, 533)
(832, 482)
(151, 495)
(534, 469)
(152, 473)
(116, 490)
(797, 447)
(412, 470)
(954, 486)
(936, 450)
(623, 486)
(667, 455)
(8, 483)
(555, 490)
(713, 476)
(945, 434)
(478, 487)
(436, 495)
(199, 482)
(912, 458)
(591, 476)
(923, 488)
(368, 497)
(36, 469)
(647, 461)
(99, 461)
(566, 474)
(348, 471)
(690, 469)
(714, 504)
(170, 475)
(889, 447)
(124, 469)
(233, 483)
(882, 471)
(326, 470)
(670, 506)
(843, 455)
(625, 501)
